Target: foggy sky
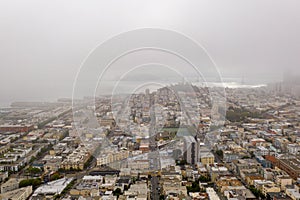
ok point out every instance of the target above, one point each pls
(43, 43)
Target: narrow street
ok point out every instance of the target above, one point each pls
(155, 188)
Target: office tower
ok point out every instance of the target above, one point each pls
(190, 150)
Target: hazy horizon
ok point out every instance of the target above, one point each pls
(43, 44)
(231, 83)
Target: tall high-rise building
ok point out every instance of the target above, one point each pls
(190, 153)
(147, 91)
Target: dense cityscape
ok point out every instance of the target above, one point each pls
(149, 100)
(151, 148)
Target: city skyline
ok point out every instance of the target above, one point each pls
(41, 52)
(149, 100)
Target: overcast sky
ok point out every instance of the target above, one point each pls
(43, 43)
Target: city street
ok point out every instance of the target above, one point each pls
(154, 188)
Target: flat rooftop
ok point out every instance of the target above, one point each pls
(53, 187)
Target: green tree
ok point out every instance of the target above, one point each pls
(219, 153)
(204, 179)
(257, 192)
(34, 170)
(117, 192)
(194, 188)
(55, 176)
(34, 182)
(32, 159)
